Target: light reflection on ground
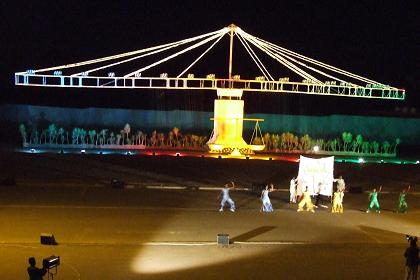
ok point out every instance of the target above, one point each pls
(163, 259)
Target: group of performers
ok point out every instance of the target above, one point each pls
(304, 200)
(374, 203)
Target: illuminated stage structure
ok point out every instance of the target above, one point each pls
(116, 71)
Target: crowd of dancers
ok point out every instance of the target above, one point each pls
(303, 198)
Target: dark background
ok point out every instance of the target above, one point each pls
(375, 39)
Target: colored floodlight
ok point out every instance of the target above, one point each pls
(361, 160)
(316, 148)
(83, 151)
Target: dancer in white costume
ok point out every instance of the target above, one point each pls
(226, 198)
(341, 185)
(266, 203)
(293, 190)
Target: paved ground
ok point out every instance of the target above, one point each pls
(148, 233)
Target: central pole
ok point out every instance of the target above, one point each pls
(232, 29)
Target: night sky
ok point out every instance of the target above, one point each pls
(375, 39)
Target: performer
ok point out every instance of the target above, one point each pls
(299, 188)
(34, 272)
(373, 196)
(402, 202)
(341, 185)
(293, 190)
(412, 261)
(266, 203)
(319, 200)
(338, 202)
(306, 200)
(226, 198)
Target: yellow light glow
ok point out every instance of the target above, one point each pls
(257, 147)
(164, 259)
(236, 153)
(228, 124)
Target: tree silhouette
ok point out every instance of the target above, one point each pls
(92, 134)
(52, 133)
(125, 132)
(60, 134)
(22, 131)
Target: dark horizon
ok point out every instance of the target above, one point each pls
(376, 40)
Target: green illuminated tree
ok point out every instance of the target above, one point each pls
(52, 133)
(333, 145)
(101, 137)
(365, 147)
(82, 135)
(359, 142)
(75, 136)
(386, 146)
(22, 131)
(92, 135)
(397, 142)
(374, 146)
(60, 134)
(347, 139)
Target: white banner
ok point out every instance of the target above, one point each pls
(316, 174)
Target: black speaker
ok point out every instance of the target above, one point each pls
(355, 190)
(118, 184)
(48, 239)
(223, 239)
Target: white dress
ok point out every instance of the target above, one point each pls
(267, 207)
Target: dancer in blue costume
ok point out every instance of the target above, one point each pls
(226, 197)
(266, 203)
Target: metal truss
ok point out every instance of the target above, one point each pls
(316, 77)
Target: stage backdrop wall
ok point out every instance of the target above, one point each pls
(375, 128)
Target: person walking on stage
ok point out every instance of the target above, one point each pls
(337, 202)
(319, 199)
(266, 203)
(226, 198)
(411, 255)
(402, 202)
(373, 196)
(293, 190)
(305, 201)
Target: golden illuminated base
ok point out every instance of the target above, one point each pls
(234, 151)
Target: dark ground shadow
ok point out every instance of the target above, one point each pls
(383, 235)
(251, 234)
